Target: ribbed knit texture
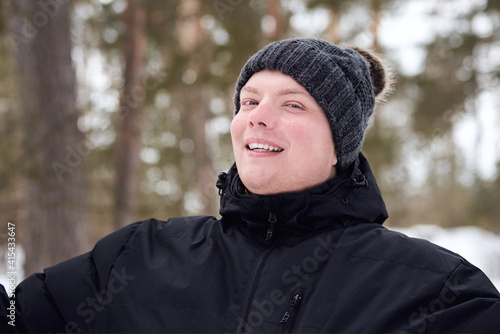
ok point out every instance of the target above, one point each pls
(338, 79)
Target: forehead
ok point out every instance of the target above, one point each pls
(274, 83)
(280, 83)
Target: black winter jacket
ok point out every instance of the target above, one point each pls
(317, 261)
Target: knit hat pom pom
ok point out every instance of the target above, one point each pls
(380, 72)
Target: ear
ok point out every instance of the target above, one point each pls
(334, 165)
(334, 158)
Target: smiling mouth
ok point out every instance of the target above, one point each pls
(259, 147)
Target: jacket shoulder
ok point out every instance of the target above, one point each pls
(382, 244)
(445, 292)
(139, 235)
(52, 300)
(66, 293)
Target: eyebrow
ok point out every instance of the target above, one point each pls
(250, 89)
(286, 91)
(290, 91)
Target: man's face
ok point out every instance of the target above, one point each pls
(282, 141)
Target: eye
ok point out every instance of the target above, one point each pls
(249, 103)
(295, 105)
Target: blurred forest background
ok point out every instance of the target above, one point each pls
(113, 111)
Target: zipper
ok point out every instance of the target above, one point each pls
(272, 220)
(292, 309)
(255, 276)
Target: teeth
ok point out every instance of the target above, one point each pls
(263, 147)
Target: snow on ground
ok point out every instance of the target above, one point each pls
(478, 246)
(11, 269)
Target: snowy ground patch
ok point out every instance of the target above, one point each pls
(478, 246)
(11, 273)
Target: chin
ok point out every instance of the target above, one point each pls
(257, 187)
(264, 189)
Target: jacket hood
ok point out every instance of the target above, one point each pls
(349, 198)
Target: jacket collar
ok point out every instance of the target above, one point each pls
(349, 198)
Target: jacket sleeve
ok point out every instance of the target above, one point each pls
(467, 303)
(65, 297)
(6, 323)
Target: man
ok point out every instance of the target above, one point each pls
(299, 246)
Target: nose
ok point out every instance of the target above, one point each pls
(261, 115)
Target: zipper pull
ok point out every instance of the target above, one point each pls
(272, 219)
(222, 181)
(294, 302)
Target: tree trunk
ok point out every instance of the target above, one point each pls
(274, 11)
(333, 27)
(54, 223)
(377, 13)
(128, 142)
(194, 98)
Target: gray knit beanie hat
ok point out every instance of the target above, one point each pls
(344, 82)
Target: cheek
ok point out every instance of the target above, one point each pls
(317, 143)
(235, 128)
(237, 132)
(311, 137)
